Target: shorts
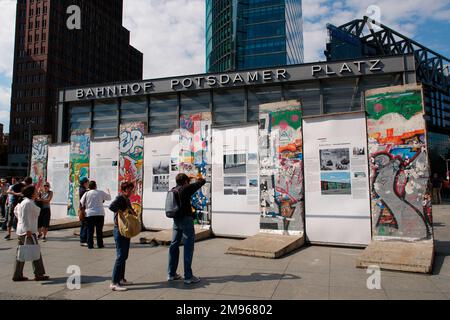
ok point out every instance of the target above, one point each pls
(44, 218)
(11, 216)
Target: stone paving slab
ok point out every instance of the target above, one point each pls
(402, 256)
(107, 231)
(164, 237)
(266, 245)
(68, 223)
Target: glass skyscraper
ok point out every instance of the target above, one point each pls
(249, 34)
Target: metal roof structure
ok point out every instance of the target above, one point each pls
(432, 67)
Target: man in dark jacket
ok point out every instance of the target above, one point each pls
(84, 183)
(183, 227)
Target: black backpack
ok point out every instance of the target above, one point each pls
(173, 203)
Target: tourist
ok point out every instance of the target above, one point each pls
(121, 203)
(183, 227)
(93, 202)
(15, 193)
(84, 183)
(437, 189)
(45, 198)
(4, 186)
(27, 213)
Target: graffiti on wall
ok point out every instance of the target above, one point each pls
(401, 202)
(281, 168)
(195, 160)
(39, 156)
(80, 143)
(131, 160)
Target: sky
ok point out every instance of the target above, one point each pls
(170, 33)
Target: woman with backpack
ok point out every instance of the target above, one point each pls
(121, 204)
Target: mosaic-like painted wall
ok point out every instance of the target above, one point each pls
(195, 160)
(39, 156)
(80, 145)
(131, 160)
(401, 201)
(281, 168)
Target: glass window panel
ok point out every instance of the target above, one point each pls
(163, 113)
(134, 109)
(309, 95)
(262, 95)
(192, 103)
(229, 106)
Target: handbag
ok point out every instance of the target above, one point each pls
(29, 252)
(129, 224)
(81, 213)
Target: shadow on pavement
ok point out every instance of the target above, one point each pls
(206, 281)
(84, 280)
(442, 251)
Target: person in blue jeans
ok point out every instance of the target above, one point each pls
(183, 227)
(121, 203)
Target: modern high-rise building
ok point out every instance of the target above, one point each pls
(249, 34)
(48, 56)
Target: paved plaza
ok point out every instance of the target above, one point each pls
(313, 272)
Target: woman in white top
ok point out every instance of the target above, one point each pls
(27, 214)
(93, 202)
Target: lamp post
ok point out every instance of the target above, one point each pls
(30, 151)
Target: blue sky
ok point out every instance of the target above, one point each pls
(171, 32)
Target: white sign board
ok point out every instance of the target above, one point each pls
(104, 170)
(337, 179)
(58, 177)
(235, 189)
(160, 170)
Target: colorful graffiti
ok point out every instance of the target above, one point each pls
(399, 163)
(281, 169)
(80, 144)
(195, 160)
(39, 156)
(131, 160)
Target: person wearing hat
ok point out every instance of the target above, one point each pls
(84, 184)
(183, 227)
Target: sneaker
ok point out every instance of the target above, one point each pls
(125, 283)
(174, 278)
(83, 244)
(8, 237)
(192, 280)
(117, 287)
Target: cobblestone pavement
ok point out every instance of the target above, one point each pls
(313, 272)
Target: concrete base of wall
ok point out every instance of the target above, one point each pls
(164, 237)
(60, 224)
(268, 246)
(415, 257)
(107, 231)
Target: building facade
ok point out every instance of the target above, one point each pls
(233, 98)
(49, 56)
(250, 34)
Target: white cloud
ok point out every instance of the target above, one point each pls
(170, 33)
(5, 96)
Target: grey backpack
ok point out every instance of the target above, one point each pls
(173, 203)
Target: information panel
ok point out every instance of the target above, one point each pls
(235, 190)
(104, 169)
(160, 171)
(337, 179)
(57, 173)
